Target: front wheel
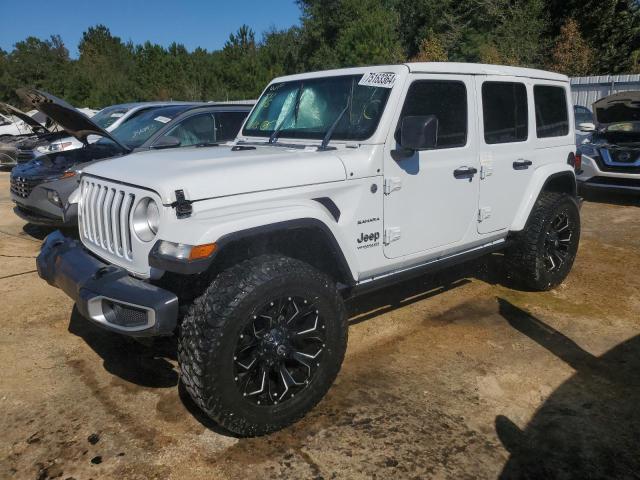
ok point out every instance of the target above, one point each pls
(263, 344)
(541, 256)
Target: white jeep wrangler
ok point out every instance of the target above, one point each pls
(339, 182)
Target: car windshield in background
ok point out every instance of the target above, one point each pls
(308, 108)
(108, 116)
(143, 124)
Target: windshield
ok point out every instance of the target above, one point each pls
(308, 108)
(138, 128)
(108, 116)
(583, 115)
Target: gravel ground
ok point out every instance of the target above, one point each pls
(454, 376)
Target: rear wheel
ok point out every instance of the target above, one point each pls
(263, 344)
(542, 255)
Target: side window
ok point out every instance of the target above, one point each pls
(505, 112)
(196, 130)
(447, 100)
(552, 117)
(228, 125)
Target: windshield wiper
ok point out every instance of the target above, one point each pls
(327, 137)
(274, 136)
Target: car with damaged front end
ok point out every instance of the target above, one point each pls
(610, 158)
(42, 189)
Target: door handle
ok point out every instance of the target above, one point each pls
(465, 172)
(522, 164)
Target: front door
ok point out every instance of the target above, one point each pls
(431, 196)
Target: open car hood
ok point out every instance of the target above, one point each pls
(618, 108)
(10, 110)
(74, 122)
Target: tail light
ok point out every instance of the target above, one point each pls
(577, 166)
(575, 160)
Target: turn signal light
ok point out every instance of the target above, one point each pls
(202, 251)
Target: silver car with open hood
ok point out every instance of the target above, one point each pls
(611, 157)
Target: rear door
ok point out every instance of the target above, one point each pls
(506, 145)
(431, 196)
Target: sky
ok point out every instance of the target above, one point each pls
(194, 23)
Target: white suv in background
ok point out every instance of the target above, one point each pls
(340, 182)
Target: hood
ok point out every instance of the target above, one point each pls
(74, 122)
(618, 108)
(35, 126)
(42, 168)
(209, 172)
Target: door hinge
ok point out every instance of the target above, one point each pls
(486, 170)
(484, 213)
(392, 184)
(391, 235)
(182, 205)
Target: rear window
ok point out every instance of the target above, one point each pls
(504, 110)
(552, 117)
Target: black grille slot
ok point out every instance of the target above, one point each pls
(22, 187)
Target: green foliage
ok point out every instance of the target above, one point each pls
(605, 38)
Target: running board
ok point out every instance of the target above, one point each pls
(382, 281)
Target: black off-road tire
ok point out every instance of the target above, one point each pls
(210, 332)
(527, 257)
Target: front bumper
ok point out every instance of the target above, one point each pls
(594, 177)
(34, 206)
(37, 217)
(105, 294)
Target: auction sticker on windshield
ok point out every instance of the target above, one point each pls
(378, 79)
(162, 119)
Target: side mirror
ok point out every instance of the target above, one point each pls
(419, 132)
(587, 127)
(166, 141)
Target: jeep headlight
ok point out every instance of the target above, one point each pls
(146, 219)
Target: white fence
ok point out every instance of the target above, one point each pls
(586, 90)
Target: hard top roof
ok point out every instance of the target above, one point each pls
(438, 67)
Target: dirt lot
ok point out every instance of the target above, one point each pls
(454, 376)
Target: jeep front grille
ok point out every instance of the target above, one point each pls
(104, 216)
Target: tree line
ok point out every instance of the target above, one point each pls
(575, 37)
